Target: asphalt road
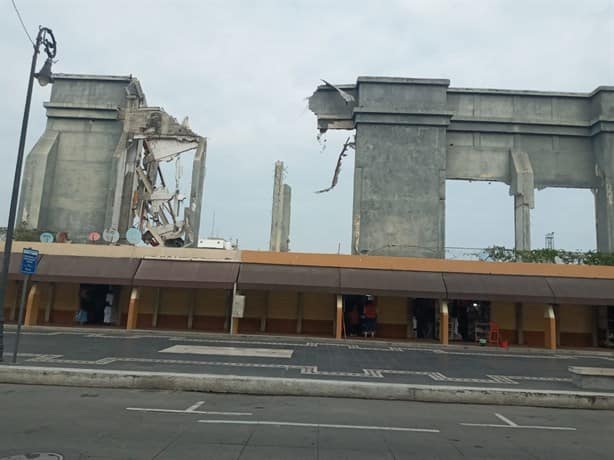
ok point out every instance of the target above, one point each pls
(129, 424)
(290, 357)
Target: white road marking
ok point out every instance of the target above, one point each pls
(510, 424)
(319, 425)
(193, 407)
(176, 411)
(505, 420)
(230, 351)
(189, 410)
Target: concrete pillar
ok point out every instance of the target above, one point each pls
(603, 148)
(604, 215)
(549, 328)
(191, 308)
(595, 326)
(300, 306)
(339, 317)
(237, 310)
(400, 161)
(519, 323)
(443, 322)
(156, 308)
(234, 326)
(31, 318)
(522, 187)
(285, 219)
(557, 318)
(265, 314)
(133, 308)
(280, 214)
(410, 319)
(15, 305)
(49, 304)
(228, 311)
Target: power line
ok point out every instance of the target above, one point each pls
(22, 24)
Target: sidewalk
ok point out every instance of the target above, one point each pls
(351, 364)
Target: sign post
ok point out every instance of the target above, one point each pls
(29, 262)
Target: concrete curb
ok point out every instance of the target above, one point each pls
(213, 383)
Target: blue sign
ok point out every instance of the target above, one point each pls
(29, 261)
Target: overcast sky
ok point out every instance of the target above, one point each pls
(241, 71)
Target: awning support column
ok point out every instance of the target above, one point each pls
(31, 318)
(156, 308)
(49, 304)
(519, 323)
(443, 322)
(133, 308)
(265, 314)
(299, 313)
(549, 328)
(339, 317)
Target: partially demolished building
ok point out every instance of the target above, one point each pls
(97, 167)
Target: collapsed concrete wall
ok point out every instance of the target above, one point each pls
(96, 166)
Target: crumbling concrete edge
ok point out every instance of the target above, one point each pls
(212, 383)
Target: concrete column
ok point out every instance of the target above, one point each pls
(15, 305)
(604, 215)
(156, 308)
(339, 317)
(400, 161)
(265, 315)
(595, 326)
(300, 306)
(519, 323)
(278, 208)
(191, 308)
(522, 187)
(557, 318)
(443, 322)
(31, 318)
(237, 301)
(285, 219)
(549, 328)
(228, 311)
(133, 308)
(49, 304)
(234, 326)
(410, 319)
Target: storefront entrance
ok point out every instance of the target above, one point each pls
(98, 304)
(469, 320)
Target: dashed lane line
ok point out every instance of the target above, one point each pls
(304, 369)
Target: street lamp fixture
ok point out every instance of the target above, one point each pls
(44, 76)
(45, 39)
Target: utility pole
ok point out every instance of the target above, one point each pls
(45, 37)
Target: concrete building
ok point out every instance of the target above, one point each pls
(95, 167)
(414, 134)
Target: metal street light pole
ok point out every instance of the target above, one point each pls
(45, 37)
